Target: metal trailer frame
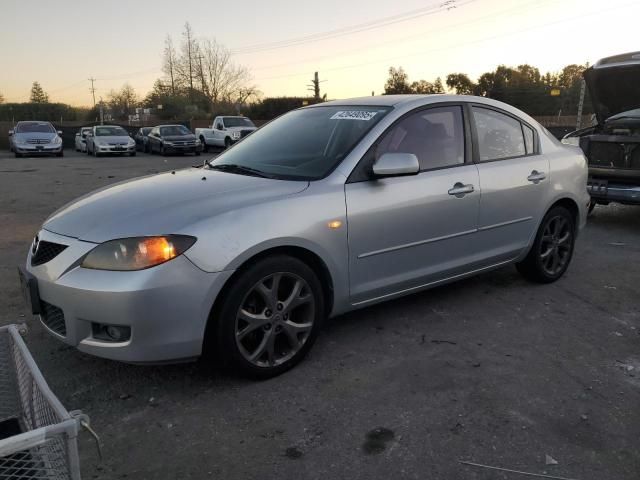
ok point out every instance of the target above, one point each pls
(47, 448)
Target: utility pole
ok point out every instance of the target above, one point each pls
(101, 112)
(93, 91)
(315, 86)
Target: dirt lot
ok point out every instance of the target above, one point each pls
(492, 370)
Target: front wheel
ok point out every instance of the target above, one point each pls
(227, 142)
(552, 248)
(205, 147)
(269, 317)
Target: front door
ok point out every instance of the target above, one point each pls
(407, 232)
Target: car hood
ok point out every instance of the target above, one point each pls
(36, 135)
(163, 204)
(613, 89)
(112, 139)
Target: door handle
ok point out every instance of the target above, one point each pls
(460, 189)
(536, 176)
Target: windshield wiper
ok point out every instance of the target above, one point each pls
(239, 169)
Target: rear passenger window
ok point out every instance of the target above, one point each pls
(435, 136)
(499, 135)
(528, 138)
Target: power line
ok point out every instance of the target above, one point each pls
(457, 45)
(403, 39)
(382, 22)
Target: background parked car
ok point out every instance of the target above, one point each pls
(166, 139)
(81, 139)
(35, 138)
(110, 140)
(142, 139)
(225, 131)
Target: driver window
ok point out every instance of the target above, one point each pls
(435, 136)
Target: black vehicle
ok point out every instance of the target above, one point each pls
(142, 139)
(166, 139)
(612, 146)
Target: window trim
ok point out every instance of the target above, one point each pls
(476, 147)
(354, 176)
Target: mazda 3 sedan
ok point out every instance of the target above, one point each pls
(324, 210)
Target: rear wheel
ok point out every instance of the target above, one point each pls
(552, 248)
(269, 318)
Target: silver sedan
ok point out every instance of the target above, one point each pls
(327, 209)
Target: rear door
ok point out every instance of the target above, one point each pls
(514, 177)
(406, 232)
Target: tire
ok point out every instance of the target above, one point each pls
(197, 154)
(205, 147)
(133, 154)
(162, 150)
(18, 155)
(273, 322)
(60, 153)
(592, 206)
(146, 148)
(227, 142)
(551, 254)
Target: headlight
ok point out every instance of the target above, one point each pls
(21, 141)
(131, 143)
(137, 253)
(56, 140)
(168, 143)
(197, 141)
(575, 141)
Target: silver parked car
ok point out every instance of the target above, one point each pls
(109, 140)
(30, 138)
(326, 209)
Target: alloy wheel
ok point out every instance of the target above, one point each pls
(275, 319)
(556, 245)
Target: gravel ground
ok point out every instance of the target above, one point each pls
(492, 370)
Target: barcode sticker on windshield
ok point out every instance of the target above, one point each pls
(353, 115)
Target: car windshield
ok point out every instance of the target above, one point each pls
(174, 130)
(111, 132)
(35, 127)
(303, 144)
(237, 122)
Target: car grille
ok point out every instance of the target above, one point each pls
(118, 144)
(53, 318)
(614, 155)
(46, 251)
(187, 143)
(244, 133)
(37, 141)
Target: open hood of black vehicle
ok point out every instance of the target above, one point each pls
(614, 85)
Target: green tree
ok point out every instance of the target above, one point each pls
(38, 95)
(461, 83)
(398, 82)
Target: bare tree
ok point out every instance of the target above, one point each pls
(170, 62)
(223, 80)
(123, 102)
(1, 98)
(188, 58)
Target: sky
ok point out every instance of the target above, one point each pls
(63, 43)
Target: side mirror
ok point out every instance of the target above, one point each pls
(396, 165)
(10, 132)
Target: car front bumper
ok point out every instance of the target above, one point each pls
(604, 191)
(46, 149)
(114, 150)
(183, 148)
(166, 307)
